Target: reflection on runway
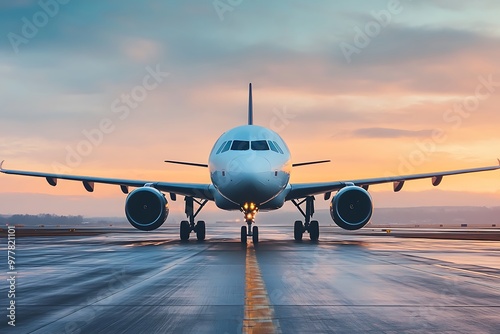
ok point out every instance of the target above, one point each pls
(128, 281)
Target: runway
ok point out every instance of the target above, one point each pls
(127, 281)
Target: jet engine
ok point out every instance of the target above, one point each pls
(351, 208)
(146, 208)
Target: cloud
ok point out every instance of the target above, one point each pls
(400, 44)
(390, 133)
(141, 50)
(65, 79)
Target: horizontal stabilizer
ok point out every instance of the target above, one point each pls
(310, 163)
(186, 163)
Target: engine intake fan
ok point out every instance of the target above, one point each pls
(146, 208)
(351, 208)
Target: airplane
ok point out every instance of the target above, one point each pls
(250, 169)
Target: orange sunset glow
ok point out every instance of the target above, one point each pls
(418, 90)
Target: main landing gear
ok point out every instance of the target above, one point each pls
(186, 226)
(250, 210)
(311, 226)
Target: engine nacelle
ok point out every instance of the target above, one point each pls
(351, 208)
(146, 208)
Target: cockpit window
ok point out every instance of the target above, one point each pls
(226, 147)
(278, 147)
(221, 147)
(259, 145)
(273, 148)
(245, 145)
(240, 145)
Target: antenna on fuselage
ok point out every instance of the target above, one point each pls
(250, 105)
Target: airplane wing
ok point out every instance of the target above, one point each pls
(197, 190)
(302, 190)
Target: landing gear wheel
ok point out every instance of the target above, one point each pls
(200, 230)
(185, 230)
(298, 230)
(255, 235)
(243, 234)
(314, 230)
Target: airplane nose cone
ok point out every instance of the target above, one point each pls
(248, 164)
(249, 179)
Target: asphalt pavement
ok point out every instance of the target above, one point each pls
(127, 281)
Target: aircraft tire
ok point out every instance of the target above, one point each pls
(200, 230)
(298, 230)
(255, 234)
(243, 234)
(185, 230)
(314, 230)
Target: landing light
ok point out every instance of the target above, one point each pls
(249, 216)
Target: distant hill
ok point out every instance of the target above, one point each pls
(42, 219)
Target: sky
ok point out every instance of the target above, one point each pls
(113, 88)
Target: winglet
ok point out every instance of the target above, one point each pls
(1, 164)
(250, 105)
(497, 159)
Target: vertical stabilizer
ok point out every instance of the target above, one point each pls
(250, 105)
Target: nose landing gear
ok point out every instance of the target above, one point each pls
(249, 210)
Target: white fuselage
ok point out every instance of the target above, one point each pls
(250, 164)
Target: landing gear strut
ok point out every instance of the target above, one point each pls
(187, 227)
(311, 226)
(249, 210)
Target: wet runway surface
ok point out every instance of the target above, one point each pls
(129, 281)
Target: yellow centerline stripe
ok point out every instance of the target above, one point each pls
(259, 314)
